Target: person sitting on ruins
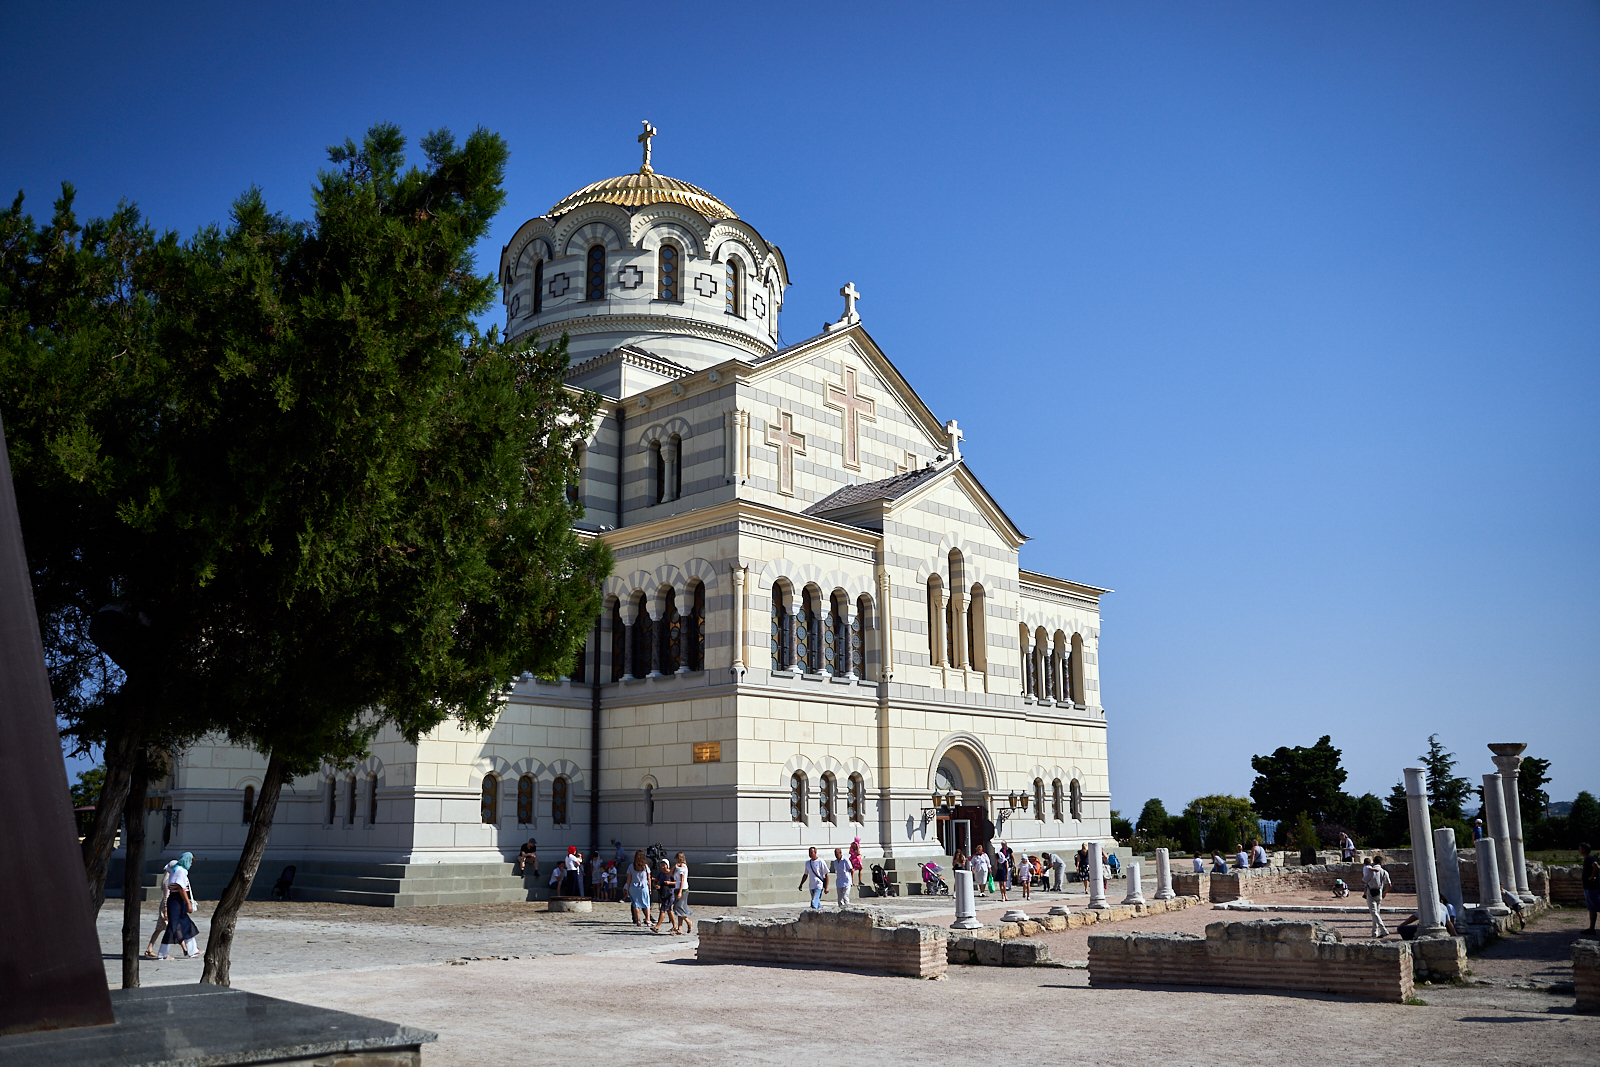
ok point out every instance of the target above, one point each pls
(1217, 865)
(1258, 854)
(528, 857)
(1199, 862)
(1408, 927)
(1241, 858)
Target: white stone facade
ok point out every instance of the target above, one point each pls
(849, 628)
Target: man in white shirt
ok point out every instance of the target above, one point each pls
(1377, 881)
(1199, 864)
(841, 876)
(815, 878)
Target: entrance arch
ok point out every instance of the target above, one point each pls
(961, 765)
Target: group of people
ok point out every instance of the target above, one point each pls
(1004, 870)
(174, 916)
(1242, 858)
(671, 884)
(844, 872)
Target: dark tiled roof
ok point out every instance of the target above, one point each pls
(886, 489)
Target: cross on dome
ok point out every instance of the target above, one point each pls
(644, 139)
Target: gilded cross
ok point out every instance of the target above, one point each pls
(644, 139)
(788, 443)
(855, 407)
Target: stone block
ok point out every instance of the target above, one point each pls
(1586, 974)
(1024, 953)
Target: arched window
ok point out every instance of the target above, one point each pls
(858, 799)
(671, 633)
(1058, 806)
(1077, 801)
(809, 638)
(936, 644)
(733, 286)
(538, 286)
(643, 634)
(333, 799)
(827, 804)
(489, 804)
(669, 263)
(525, 789)
(835, 644)
(619, 640)
(977, 637)
(798, 801)
(596, 288)
(372, 799)
(1074, 685)
(649, 805)
(1038, 799)
(695, 640)
(658, 469)
(675, 468)
(781, 623)
(249, 803)
(558, 801)
(1024, 644)
(350, 812)
(858, 637)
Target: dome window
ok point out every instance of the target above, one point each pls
(734, 286)
(538, 286)
(597, 273)
(671, 269)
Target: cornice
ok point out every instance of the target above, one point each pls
(751, 519)
(644, 322)
(1048, 584)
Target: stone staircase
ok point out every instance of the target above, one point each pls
(382, 885)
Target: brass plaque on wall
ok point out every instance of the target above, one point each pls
(708, 752)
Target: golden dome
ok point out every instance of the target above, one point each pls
(646, 187)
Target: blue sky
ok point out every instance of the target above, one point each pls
(1282, 322)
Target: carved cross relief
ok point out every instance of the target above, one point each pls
(855, 407)
(788, 443)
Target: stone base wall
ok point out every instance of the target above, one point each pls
(1271, 954)
(1265, 881)
(1566, 885)
(1586, 974)
(855, 939)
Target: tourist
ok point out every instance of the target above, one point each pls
(1199, 863)
(1059, 867)
(1376, 880)
(1082, 859)
(1408, 928)
(557, 873)
(180, 905)
(1113, 862)
(572, 884)
(161, 912)
(1217, 865)
(528, 856)
(666, 887)
(1002, 871)
(842, 877)
(1241, 858)
(608, 882)
(639, 889)
(680, 894)
(1027, 871)
(1340, 888)
(1258, 854)
(1589, 877)
(1347, 847)
(1477, 831)
(594, 874)
(814, 878)
(855, 863)
(979, 866)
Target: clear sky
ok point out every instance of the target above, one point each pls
(1281, 322)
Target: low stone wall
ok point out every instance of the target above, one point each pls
(855, 939)
(1566, 885)
(1270, 954)
(1586, 974)
(1265, 881)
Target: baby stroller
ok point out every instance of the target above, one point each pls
(932, 884)
(880, 881)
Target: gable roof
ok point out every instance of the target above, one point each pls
(854, 502)
(883, 489)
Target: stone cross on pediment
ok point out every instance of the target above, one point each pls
(851, 294)
(789, 444)
(855, 407)
(954, 435)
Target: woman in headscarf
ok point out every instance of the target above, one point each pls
(180, 905)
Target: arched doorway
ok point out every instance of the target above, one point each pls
(964, 824)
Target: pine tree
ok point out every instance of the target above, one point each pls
(1448, 792)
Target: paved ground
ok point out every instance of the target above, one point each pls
(544, 985)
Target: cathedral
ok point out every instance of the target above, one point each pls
(818, 628)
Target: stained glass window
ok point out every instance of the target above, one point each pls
(858, 637)
(491, 798)
(670, 273)
(372, 799)
(806, 622)
(831, 660)
(597, 273)
(797, 797)
(733, 286)
(858, 799)
(826, 803)
(538, 286)
(525, 800)
(671, 634)
(777, 630)
(619, 637)
(1056, 805)
(558, 801)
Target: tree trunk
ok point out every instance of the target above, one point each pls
(122, 749)
(219, 943)
(133, 870)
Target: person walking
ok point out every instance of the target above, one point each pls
(1028, 871)
(1002, 872)
(639, 889)
(842, 876)
(814, 878)
(979, 866)
(161, 910)
(666, 885)
(1377, 881)
(680, 894)
(1589, 877)
(180, 905)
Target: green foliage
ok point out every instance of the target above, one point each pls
(86, 790)
(1532, 777)
(1396, 832)
(1152, 818)
(1186, 828)
(1447, 792)
(1225, 822)
(1298, 779)
(1121, 828)
(1367, 817)
(1305, 833)
(1583, 821)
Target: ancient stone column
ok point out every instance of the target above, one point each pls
(1135, 890)
(1494, 814)
(966, 906)
(1508, 757)
(1489, 879)
(1097, 881)
(1430, 916)
(1163, 875)
(1449, 867)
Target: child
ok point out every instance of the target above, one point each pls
(608, 882)
(1025, 876)
(1339, 888)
